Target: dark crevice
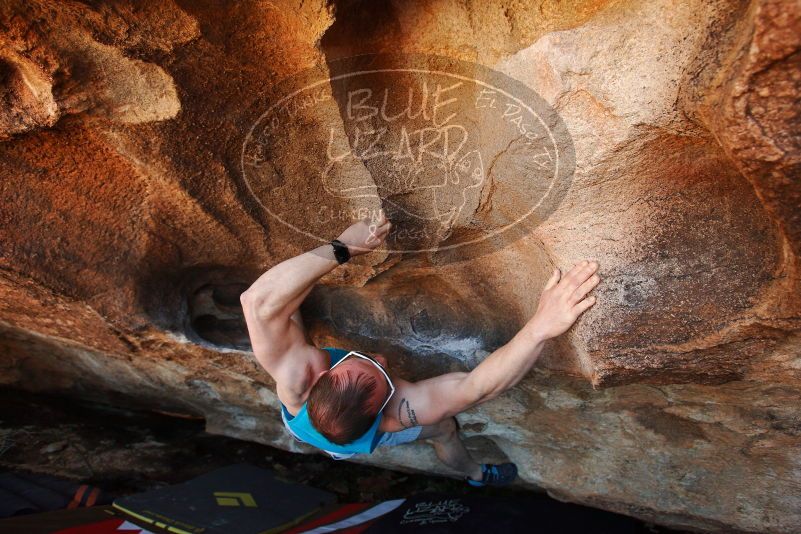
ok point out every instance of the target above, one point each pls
(201, 303)
(216, 316)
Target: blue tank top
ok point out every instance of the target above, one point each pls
(302, 427)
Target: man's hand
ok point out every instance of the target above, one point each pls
(366, 235)
(562, 301)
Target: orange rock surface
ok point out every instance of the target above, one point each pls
(130, 226)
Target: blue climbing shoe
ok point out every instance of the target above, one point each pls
(495, 475)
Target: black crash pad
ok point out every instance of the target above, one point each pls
(239, 498)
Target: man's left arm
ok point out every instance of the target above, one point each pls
(430, 401)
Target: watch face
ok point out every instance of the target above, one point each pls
(341, 252)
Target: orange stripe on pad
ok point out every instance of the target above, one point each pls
(90, 501)
(76, 500)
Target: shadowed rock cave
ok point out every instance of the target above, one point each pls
(145, 186)
(216, 315)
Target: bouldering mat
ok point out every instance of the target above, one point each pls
(107, 526)
(347, 518)
(435, 513)
(27, 493)
(56, 521)
(239, 498)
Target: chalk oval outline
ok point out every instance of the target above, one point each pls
(496, 232)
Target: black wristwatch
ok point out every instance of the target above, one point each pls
(341, 252)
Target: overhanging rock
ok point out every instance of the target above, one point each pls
(131, 221)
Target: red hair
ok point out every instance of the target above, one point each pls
(342, 409)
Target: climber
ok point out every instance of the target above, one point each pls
(348, 402)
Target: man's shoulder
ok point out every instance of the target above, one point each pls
(284, 364)
(390, 420)
(294, 374)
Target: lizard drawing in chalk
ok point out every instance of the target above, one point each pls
(436, 192)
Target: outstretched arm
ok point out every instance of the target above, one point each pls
(269, 303)
(429, 401)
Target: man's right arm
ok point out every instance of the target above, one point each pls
(276, 295)
(430, 401)
(272, 299)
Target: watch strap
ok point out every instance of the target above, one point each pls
(341, 252)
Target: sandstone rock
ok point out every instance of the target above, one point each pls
(129, 226)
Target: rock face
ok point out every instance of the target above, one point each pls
(130, 224)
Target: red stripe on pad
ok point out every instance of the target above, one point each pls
(342, 512)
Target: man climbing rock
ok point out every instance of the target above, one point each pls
(347, 402)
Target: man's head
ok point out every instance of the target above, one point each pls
(345, 400)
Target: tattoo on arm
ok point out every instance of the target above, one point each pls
(405, 408)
